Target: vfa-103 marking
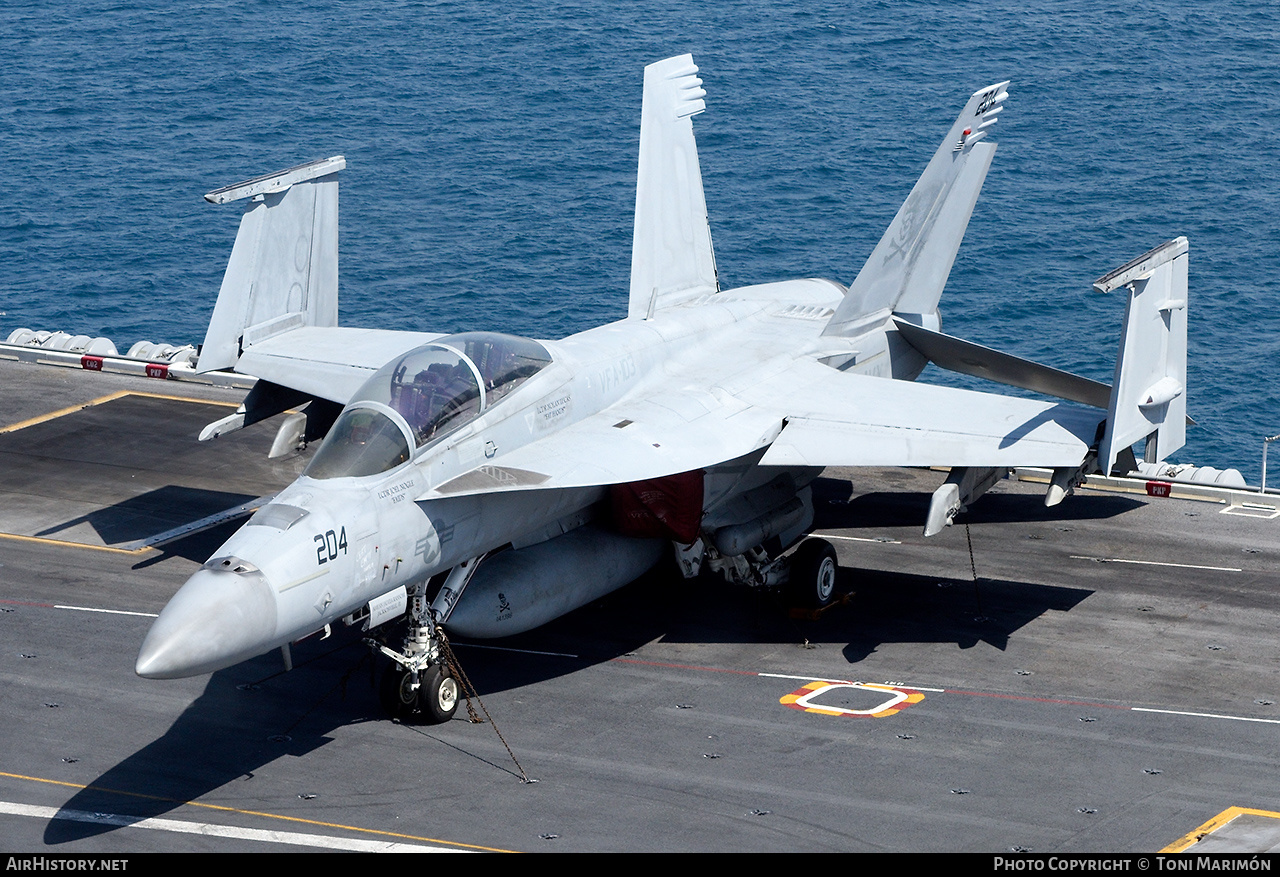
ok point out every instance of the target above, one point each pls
(485, 483)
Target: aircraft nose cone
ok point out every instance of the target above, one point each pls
(218, 618)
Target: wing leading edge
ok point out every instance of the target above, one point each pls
(328, 362)
(855, 420)
(806, 414)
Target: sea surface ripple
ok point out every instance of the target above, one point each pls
(491, 161)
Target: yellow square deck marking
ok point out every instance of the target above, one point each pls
(1184, 843)
(896, 701)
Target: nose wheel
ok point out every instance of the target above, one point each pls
(432, 701)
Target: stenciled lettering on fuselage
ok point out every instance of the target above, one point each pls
(366, 559)
(550, 411)
(329, 544)
(615, 375)
(396, 492)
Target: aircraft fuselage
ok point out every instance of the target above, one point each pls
(325, 547)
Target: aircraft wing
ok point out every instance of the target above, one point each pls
(805, 414)
(840, 419)
(328, 362)
(642, 439)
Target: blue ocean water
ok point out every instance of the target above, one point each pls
(491, 161)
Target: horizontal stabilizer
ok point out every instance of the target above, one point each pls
(967, 358)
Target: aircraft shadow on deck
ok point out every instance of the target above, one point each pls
(230, 732)
(892, 607)
(252, 715)
(197, 547)
(151, 513)
(223, 737)
(883, 607)
(909, 509)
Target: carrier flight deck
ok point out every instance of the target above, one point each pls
(1099, 678)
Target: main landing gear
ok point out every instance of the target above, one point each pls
(812, 584)
(807, 577)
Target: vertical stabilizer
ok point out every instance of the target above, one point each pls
(909, 267)
(283, 271)
(671, 255)
(1148, 398)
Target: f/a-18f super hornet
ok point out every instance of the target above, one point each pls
(485, 484)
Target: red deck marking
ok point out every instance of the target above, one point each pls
(683, 666)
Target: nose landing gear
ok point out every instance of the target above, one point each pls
(431, 698)
(419, 687)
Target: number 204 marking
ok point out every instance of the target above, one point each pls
(329, 544)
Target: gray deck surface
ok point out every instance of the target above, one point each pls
(1069, 704)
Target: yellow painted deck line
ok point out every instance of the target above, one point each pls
(63, 543)
(63, 412)
(149, 395)
(110, 397)
(1191, 838)
(213, 829)
(224, 809)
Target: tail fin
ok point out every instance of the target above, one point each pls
(283, 271)
(1148, 398)
(909, 267)
(671, 254)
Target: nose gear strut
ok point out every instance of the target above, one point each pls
(424, 682)
(420, 686)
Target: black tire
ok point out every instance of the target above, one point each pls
(438, 695)
(813, 574)
(435, 700)
(398, 699)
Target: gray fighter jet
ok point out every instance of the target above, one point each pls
(485, 484)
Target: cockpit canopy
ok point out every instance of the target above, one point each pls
(432, 390)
